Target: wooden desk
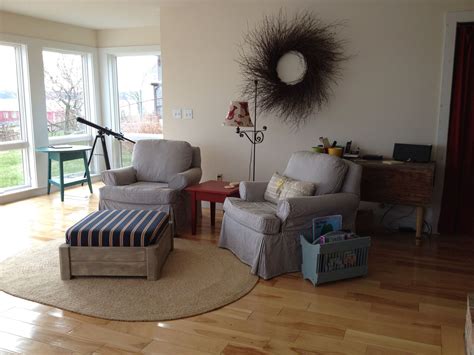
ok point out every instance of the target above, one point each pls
(212, 191)
(408, 184)
(65, 154)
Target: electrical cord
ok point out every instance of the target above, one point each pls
(401, 218)
(427, 228)
(389, 226)
(385, 213)
(429, 232)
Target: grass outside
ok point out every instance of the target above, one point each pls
(11, 168)
(127, 149)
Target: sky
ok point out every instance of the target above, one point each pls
(7, 69)
(135, 72)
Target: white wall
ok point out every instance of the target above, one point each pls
(140, 36)
(32, 27)
(49, 30)
(389, 91)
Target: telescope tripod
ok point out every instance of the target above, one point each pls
(100, 135)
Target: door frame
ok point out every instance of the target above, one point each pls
(451, 21)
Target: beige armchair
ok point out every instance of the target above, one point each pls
(265, 235)
(160, 171)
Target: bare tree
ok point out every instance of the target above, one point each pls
(65, 90)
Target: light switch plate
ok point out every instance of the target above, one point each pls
(188, 114)
(176, 113)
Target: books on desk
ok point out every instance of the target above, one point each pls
(350, 156)
(60, 146)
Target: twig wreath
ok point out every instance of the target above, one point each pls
(317, 47)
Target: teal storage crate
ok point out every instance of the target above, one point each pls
(334, 261)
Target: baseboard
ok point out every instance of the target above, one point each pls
(31, 192)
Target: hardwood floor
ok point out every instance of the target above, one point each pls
(412, 302)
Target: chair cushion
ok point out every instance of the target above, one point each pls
(327, 172)
(159, 160)
(118, 228)
(258, 216)
(142, 193)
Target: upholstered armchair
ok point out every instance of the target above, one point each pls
(160, 171)
(265, 235)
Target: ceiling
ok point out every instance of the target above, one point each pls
(94, 14)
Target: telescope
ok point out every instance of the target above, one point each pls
(101, 132)
(104, 130)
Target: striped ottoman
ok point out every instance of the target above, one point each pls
(117, 243)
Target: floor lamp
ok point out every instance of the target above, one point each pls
(239, 116)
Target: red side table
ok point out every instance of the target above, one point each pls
(212, 191)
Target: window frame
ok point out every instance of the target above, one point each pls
(110, 94)
(91, 102)
(26, 141)
(87, 79)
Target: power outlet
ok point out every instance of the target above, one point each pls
(188, 114)
(176, 113)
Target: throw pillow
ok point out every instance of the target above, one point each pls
(272, 193)
(294, 188)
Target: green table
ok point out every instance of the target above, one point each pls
(62, 154)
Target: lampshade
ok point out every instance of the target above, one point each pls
(238, 115)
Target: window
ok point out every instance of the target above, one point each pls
(66, 82)
(14, 152)
(140, 100)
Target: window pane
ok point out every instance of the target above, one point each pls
(10, 129)
(72, 168)
(127, 149)
(11, 169)
(65, 98)
(140, 99)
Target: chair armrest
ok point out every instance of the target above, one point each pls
(252, 191)
(307, 208)
(185, 179)
(118, 177)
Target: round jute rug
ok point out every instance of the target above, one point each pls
(196, 278)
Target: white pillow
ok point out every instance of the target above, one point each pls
(274, 187)
(294, 188)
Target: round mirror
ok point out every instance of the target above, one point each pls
(291, 68)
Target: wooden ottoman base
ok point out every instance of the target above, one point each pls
(116, 261)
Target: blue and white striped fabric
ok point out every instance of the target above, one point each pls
(118, 228)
